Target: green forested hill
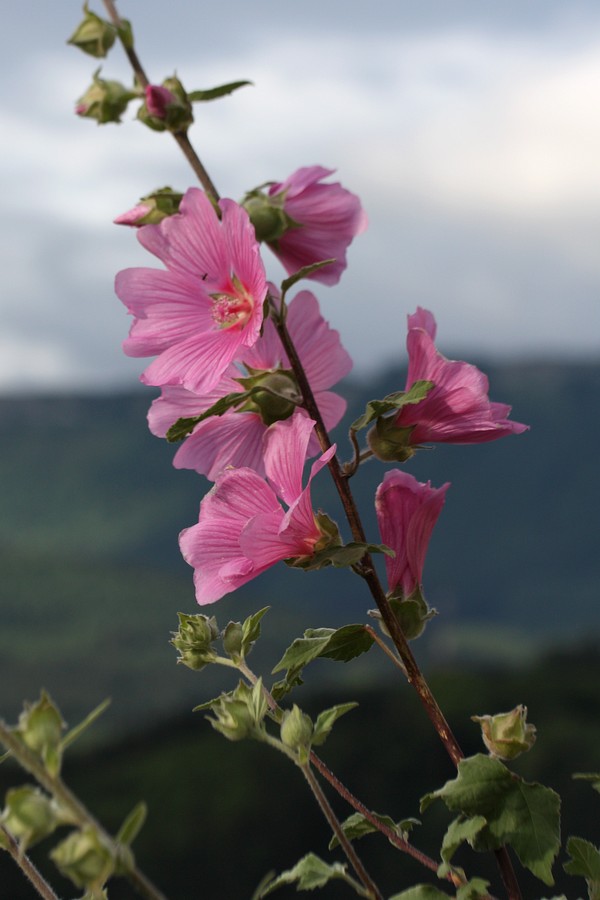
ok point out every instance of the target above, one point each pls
(91, 578)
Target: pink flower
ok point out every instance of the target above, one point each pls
(236, 438)
(407, 511)
(305, 222)
(457, 410)
(205, 308)
(158, 99)
(243, 528)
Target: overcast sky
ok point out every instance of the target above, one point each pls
(471, 131)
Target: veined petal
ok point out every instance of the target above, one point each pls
(234, 439)
(286, 445)
(175, 402)
(324, 359)
(197, 363)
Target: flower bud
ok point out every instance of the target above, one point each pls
(389, 442)
(105, 101)
(84, 859)
(267, 215)
(232, 639)
(166, 106)
(193, 640)
(276, 395)
(152, 209)
(507, 735)
(297, 731)
(29, 815)
(93, 35)
(40, 728)
(240, 714)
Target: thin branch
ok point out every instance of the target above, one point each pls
(27, 867)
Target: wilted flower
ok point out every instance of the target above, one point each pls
(236, 437)
(305, 222)
(243, 529)
(206, 307)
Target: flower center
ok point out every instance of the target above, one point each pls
(231, 310)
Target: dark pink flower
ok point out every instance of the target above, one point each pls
(206, 307)
(305, 222)
(236, 438)
(158, 99)
(457, 410)
(243, 529)
(407, 511)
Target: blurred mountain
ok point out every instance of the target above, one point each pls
(91, 577)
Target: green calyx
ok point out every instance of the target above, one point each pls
(93, 35)
(268, 216)
(390, 443)
(507, 735)
(275, 395)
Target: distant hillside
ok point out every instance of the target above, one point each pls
(92, 578)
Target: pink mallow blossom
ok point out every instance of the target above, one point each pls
(457, 410)
(206, 307)
(243, 529)
(236, 438)
(327, 217)
(407, 511)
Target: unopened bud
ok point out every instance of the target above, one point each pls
(152, 209)
(166, 106)
(105, 101)
(84, 859)
(507, 735)
(267, 215)
(194, 640)
(232, 639)
(40, 727)
(93, 35)
(29, 815)
(390, 443)
(297, 731)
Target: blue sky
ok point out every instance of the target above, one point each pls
(471, 131)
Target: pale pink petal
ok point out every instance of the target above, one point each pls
(234, 439)
(197, 363)
(285, 454)
(424, 319)
(175, 402)
(324, 359)
(260, 540)
(332, 407)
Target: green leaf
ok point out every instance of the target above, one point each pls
(476, 887)
(524, 815)
(356, 826)
(251, 630)
(132, 825)
(303, 650)
(327, 719)
(214, 93)
(338, 556)
(310, 873)
(346, 643)
(75, 732)
(304, 272)
(185, 426)
(585, 861)
(460, 830)
(376, 408)
(421, 892)
(594, 777)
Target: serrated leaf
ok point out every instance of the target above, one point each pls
(327, 719)
(376, 408)
(75, 732)
(338, 556)
(185, 426)
(304, 272)
(585, 861)
(310, 873)
(214, 93)
(524, 815)
(346, 643)
(460, 830)
(303, 650)
(132, 825)
(357, 826)
(421, 892)
(251, 630)
(476, 887)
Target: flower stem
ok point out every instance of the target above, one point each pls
(27, 867)
(56, 787)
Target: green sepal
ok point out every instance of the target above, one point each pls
(357, 826)
(524, 815)
(251, 630)
(84, 859)
(327, 719)
(310, 872)
(593, 777)
(78, 730)
(40, 728)
(94, 36)
(376, 408)
(193, 641)
(185, 426)
(304, 272)
(214, 93)
(585, 861)
(339, 557)
(413, 613)
(232, 640)
(296, 731)
(240, 713)
(30, 815)
(132, 825)
(125, 32)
